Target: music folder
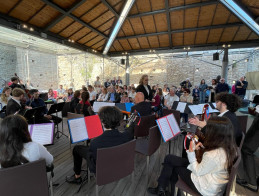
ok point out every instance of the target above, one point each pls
(168, 127)
(84, 128)
(42, 133)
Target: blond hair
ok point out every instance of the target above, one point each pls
(3, 96)
(142, 79)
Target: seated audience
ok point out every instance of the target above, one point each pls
(113, 96)
(171, 98)
(14, 105)
(107, 83)
(119, 81)
(227, 104)
(84, 106)
(110, 118)
(186, 84)
(51, 96)
(132, 94)
(84, 89)
(61, 93)
(145, 88)
(74, 101)
(247, 175)
(158, 98)
(104, 95)
(92, 94)
(16, 145)
(186, 97)
(114, 81)
(125, 98)
(70, 94)
(222, 86)
(97, 82)
(142, 107)
(211, 175)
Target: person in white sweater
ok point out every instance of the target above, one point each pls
(208, 176)
(16, 145)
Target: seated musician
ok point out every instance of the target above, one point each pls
(35, 102)
(113, 96)
(20, 149)
(210, 175)
(110, 118)
(84, 106)
(227, 104)
(142, 107)
(5, 97)
(74, 101)
(15, 83)
(15, 105)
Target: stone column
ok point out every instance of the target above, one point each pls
(127, 70)
(224, 69)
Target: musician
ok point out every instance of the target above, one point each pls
(14, 105)
(15, 83)
(142, 107)
(227, 104)
(110, 118)
(211, 175)
(36, 102)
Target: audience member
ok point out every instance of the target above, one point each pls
(211, 175)
(125, 98)
(92, 94)
(14, 105)
(222, 86)
(233, 88)
(203, 88)
(158, 98)
(142, 107)
(61, 93)
(212, 88)
(74, 101)
(241, 86)
(28, 85)
(110, 118)
(145, 88)
(196, 94)
(97, 82)
(186, 97)
(180, 91)
(84, 89)
(125, 88)
(51, 96)
(165, 90)
(70, 94)
(113, 95)
(132, 94)
(104, 95)
(84, 106)
(247, 175)
(186, 84)
(171, 98)
(119, 81)
(114, 81)
(227, 104)
(107, 83)
(16, 145)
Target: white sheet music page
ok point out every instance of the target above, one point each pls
(42, 133)
(172, 122)
(181, 106)
(196, 109)
(98, 105)
(165, 129)
(77, 129)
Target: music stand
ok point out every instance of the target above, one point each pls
(30, 114)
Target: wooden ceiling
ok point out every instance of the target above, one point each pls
(151, 24)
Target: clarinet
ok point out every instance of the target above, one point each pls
(132, 119)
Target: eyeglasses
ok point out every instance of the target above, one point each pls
(184, 92)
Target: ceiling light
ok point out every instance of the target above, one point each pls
(72, 41)
(189, 48)
(223, 45)
(229, 45)
(31, 29)
(25, 26)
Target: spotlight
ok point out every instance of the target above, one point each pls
(229, 45)
(189, 48)
(24, 26)
(72, 41)
(31, 29)
(223, 45)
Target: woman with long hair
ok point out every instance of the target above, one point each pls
(145, 88)
(16, 146)
(210, 176)
(104, 95)
(5, 96)
(84, 106)
(212, 90)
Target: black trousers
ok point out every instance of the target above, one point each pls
(172, 167)
(81, 152)
(251, 143)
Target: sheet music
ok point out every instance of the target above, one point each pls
(42, 133)
(165, 129)
(98, 105)
(181, 106)
(196, 109)
(78, 129)
(173, 124)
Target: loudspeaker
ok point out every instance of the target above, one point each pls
(216, 56)
(123, 61)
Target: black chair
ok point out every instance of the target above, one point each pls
(29, 179)
(146, 122)
(242, 122)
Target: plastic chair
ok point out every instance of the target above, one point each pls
(149, 146)
(114, 163)
(175, 112)
(242, 122)
(230, 186)
(29, 179)
(146, 122)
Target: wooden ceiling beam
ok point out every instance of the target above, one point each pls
(110, 8)
(184, 30)
(168, 23)
(183, 7)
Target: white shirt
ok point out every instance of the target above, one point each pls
(103, 97)
(171, 99)
(221, 114)
(92, 94)
(33, 151)
(210, 177)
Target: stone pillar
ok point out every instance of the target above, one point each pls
(224, 69)
(127, 70)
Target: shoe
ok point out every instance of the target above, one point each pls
(159, 190)
(243, 183)
(73, 180)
